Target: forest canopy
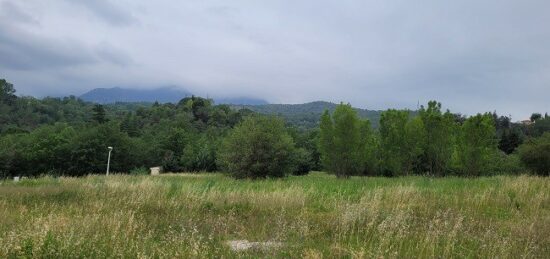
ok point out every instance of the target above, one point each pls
(67, 136)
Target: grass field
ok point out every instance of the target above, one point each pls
(314, 216)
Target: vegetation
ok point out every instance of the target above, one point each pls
(476, 145)
(70, 137)
(306, 116)
(258, 147)
(341, 142)
(193, 216)
(536, 154)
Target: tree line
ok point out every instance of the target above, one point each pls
(66, 136)
(432, 143)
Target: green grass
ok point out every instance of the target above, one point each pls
(193, 215)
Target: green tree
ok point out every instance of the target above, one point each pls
(535, 154)
(509, 141)
(258, 147)
(393, 142)
(130, 125)
(99, 114)
(477, 144)
(89, 150)
(535, 116)
(439, 135)
(341, 146)
(7, 92)
(326, 143)
(199, 155)
(369, 148)
(415, 138)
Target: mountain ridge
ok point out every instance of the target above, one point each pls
(166, 94)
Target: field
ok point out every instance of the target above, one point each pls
(314, 216)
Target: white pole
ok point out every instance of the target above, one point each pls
(109, 159)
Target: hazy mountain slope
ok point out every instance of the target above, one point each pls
(161, 95)
(117, 94)
(307, 115)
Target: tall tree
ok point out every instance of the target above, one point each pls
(99, 114)
(415, 137)
(439, 135)
(476, 144)
(369, 148)
(326, 140)
(341, 144)
(535, 116)
(7, 92)
(393, 142)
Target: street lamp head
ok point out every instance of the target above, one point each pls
(110, 148)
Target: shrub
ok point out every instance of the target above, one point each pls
(139, 171)
(302, 162)
(258, 147)
(535, 154)
(506, 164)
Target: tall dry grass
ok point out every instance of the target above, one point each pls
(314, 216)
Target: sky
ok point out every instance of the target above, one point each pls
(473, 56)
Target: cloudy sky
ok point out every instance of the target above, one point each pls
(471, 55)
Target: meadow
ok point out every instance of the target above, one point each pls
(313, 216)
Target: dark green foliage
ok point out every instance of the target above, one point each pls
(535, 116)
(89, 151)
(307, 141)
(200, 155)
(259, 147)
(66, 136)
(99, 114)
(509, 141)
(370, 150)
(342, 142)
(7, 92)
(306, 116)
(302, 162)
(476, 145)
(440, 131)
(540, 126)
(393, 142)
(535, 154)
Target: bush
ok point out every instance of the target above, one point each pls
(302, 162)
(535, 154)
(139, 171)
(258, 147)
(507, 164)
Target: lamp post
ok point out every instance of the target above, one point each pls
(109, 159)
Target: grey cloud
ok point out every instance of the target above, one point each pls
(113, 55)
(21, 51)
(10, 11)
(474, 56)
(108, 11)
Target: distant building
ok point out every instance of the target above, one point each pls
(526, 122)
(156, 170)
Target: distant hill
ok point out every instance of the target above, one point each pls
(307, 115)
(240, 101)
(161, 95)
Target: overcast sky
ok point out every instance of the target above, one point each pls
(472, 55)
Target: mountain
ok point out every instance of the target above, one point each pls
(117, 94)
(307, 115)
(161, 95)
(240, 101)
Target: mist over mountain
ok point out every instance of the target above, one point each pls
(161, 95)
